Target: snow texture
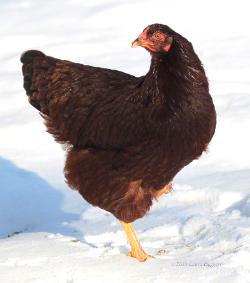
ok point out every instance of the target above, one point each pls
(200, 232)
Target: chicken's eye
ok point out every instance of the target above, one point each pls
(158, 36)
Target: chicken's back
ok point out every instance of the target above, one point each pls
(82, 105)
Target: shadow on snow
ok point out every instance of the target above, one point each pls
(29, 204)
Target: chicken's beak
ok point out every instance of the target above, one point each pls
(136, 43)
(144, 43)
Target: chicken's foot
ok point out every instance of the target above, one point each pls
(164, 190)
(136, 249)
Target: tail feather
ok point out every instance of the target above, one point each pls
(27, 59)
(28, 56)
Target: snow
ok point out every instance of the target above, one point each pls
(200, 232)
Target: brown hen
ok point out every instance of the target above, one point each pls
(126, 137)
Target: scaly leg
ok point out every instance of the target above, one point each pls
(136, 249)
(164, 190)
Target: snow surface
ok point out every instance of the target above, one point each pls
(200, 232)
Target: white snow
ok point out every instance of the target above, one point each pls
(200, 232)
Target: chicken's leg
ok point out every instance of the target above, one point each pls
(136, 249)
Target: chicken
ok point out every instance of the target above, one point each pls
(126, 137)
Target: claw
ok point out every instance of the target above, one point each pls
(140, 255)
(168, 188)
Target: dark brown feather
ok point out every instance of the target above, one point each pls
(126, 136)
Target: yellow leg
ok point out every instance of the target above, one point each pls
(136, 249)
(164, 190)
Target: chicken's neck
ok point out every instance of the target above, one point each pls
(154, 81)
(173, 77)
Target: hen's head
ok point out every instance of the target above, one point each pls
(155, 38)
